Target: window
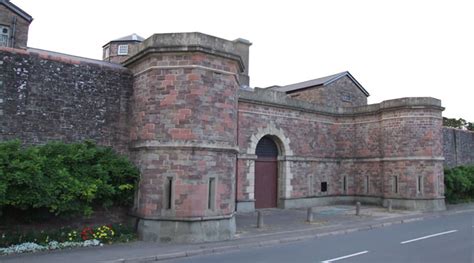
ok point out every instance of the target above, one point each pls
(324, 187)
(211, 198)
(395, 184)
(4, 36)
(420, 185)
(311, 185)
(344, 184)
(122, 50)
(107, 52)
(169, 193)
(367, 184)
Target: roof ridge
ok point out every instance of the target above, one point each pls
(17, 10)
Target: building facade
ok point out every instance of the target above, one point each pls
(14, 24)
(208, 146)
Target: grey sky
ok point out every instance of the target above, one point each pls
(394, 49)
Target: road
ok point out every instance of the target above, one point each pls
(445, 239)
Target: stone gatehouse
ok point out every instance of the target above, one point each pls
(208, 146)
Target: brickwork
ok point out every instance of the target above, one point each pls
(46, 97)
(366, 145)
(340, 93)
(458, 147)
(113, 55)
(7, 18)
(176, 108)
(185, 107)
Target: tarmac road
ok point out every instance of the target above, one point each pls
(444, 239)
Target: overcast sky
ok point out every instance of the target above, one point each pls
(395, 49)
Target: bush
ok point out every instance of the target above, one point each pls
(459, 184)
(65, 179)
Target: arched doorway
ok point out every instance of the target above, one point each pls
(266, 173)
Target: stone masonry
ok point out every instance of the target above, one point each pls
(179, 105)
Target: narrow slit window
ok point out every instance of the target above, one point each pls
(367, 184)
(311, 185)
(395, 184)
(420, 184)
(344, 184)
(169, 193)
(211, 194)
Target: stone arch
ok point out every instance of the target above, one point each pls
(282, 141)
(284, 170)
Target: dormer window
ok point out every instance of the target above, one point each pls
(122, 50)
(4, 35)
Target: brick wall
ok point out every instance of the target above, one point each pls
(47, 96)
(340, 93)
(184, 129)
(376, 142)
(458, 147)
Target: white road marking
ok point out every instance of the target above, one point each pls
(430, 236)
(344, 257)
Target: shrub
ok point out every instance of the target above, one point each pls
(65, 179)
(459, 184)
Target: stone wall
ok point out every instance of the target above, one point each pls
(340, 93)
(46, 96)
(184, 136)
(367, 147)
(458, 147)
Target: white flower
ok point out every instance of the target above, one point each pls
(32, 247)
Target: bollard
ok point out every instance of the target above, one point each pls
(309, 215)
(389, 205)
(259, 219)
(357, 208)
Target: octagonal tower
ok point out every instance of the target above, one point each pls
(183, 135)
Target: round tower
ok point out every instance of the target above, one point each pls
(184, 135)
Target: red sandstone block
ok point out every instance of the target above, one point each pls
(193, 77)
(168, 100)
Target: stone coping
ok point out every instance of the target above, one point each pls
(188, 42)
(183, 219)
(61, 57)
(281, 100)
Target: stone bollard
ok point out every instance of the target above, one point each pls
(259, 219)
(309, 215)
(389, 206)
(357, 208)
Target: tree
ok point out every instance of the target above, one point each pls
(458, 123)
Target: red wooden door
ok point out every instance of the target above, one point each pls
(265, 182)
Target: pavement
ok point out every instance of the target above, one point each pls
(280, 226)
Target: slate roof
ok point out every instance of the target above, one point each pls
(318, 83)
(16, 10)
(132, 37)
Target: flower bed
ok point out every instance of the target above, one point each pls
(16, 242)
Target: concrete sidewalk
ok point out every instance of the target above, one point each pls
(280, 226)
